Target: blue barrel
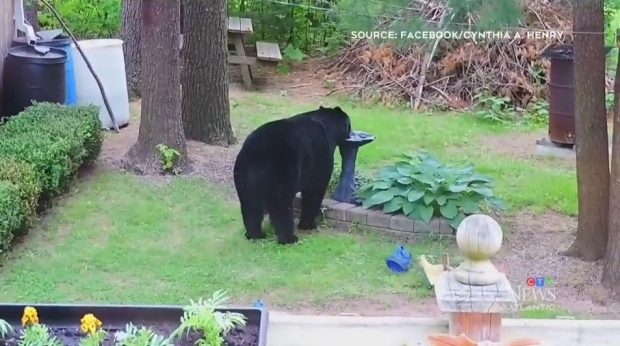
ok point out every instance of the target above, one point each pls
(62, 42)
(31, 75)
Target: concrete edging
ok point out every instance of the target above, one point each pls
(286, 318)
(344, 214)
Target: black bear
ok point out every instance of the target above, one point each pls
(281, 158)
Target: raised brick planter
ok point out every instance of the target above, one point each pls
(342, 214)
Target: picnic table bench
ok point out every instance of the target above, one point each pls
(239, 30)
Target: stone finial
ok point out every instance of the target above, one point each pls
(479, 237)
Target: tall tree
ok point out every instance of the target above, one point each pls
(206, 107)
(591, 132)
(160, 119)
(611, 268)
(130, 34)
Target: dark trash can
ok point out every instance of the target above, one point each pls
(63, 42)
(32, 75)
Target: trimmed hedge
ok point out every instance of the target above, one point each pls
(41, 150)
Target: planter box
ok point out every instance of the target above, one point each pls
(163, 319)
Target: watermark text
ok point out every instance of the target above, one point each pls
(457, 35)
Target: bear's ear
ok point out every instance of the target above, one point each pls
(321, 107)
(337, 108)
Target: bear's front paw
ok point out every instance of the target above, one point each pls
(307, 225)
(288, 240)
(256, 236)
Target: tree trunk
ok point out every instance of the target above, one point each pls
(591, 132)
(31, 11)
(130, 34)
(206, 108)
(611, 268)
(160, 120)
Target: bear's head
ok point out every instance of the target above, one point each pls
(337, 121)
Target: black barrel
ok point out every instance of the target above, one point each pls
(31, 75)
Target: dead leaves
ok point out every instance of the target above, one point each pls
(460, 69)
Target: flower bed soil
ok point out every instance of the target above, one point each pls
(240, 336)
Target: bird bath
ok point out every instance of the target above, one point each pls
(345, 189)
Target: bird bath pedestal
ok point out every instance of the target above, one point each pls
(476, 294)
(345, 189)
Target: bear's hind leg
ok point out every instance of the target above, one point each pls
(312, 197)
(282, 219)
(311, 200)
(253, 221)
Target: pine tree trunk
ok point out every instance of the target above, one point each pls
(206, 108)
(611, 268)
(160, 121)
(591, 132)
(130, 34)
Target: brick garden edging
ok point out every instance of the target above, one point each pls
(339, 214)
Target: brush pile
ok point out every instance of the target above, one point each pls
(450, 73)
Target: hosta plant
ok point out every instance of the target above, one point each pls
(421, 187)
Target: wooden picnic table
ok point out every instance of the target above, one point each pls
(239, 30)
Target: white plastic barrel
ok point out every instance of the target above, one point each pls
(106, 58)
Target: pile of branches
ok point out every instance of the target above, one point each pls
(451, 73)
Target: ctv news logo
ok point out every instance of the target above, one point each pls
(537, 294)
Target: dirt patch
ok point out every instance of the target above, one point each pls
(304, 82)
(214, 163)
(523, 146)
(211, 162)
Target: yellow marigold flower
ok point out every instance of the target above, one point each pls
(30, 316)
(89, 323)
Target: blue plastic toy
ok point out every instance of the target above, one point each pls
(258, 304)
(400, 261)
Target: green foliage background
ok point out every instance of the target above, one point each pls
(314, 26)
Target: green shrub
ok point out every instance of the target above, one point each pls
(85, 18)
(421, 187)
(11, 213)
(80, 126)
(24, 176)
(41, 150)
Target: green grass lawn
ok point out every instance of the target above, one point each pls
(123, 239)
(119, 238)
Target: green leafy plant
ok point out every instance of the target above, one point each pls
(5, 328)
(290, 54)
(168, 157)
(421, 187)
(93, 339)
(37, 335)
(538, 112)
(609, 101)
(202, 316)
(86, 18)
(142, 336)
(494, 109)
